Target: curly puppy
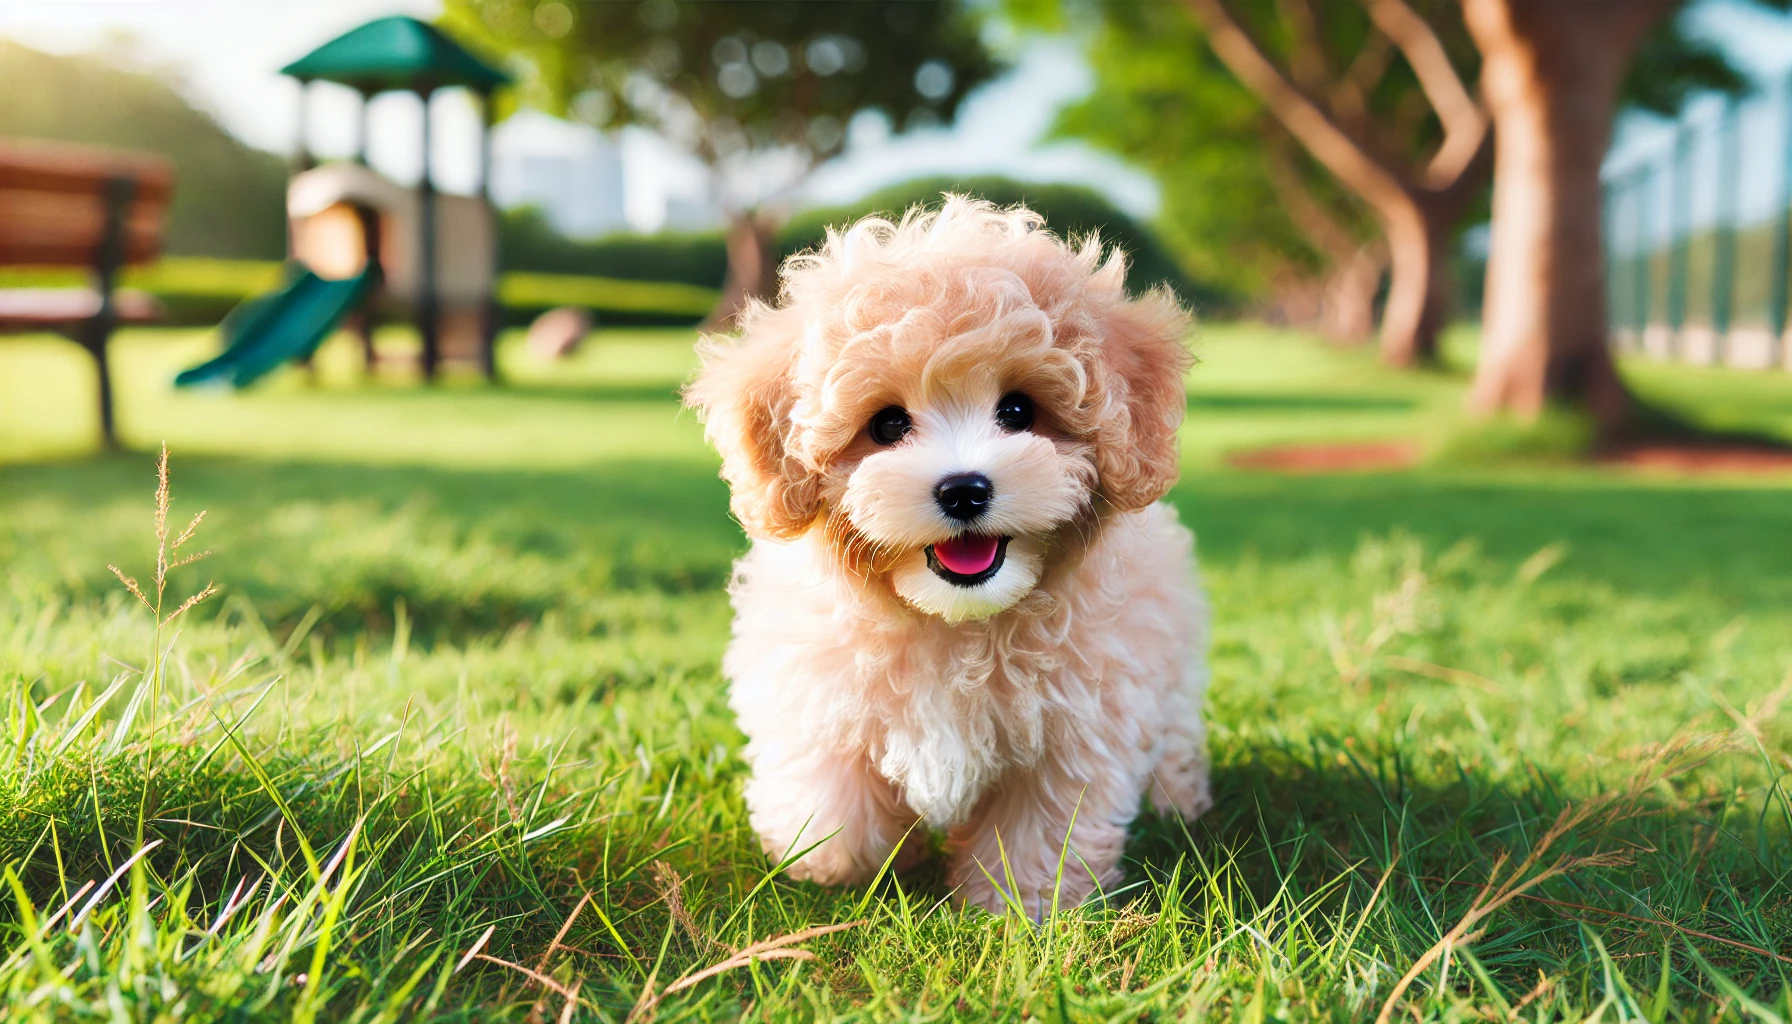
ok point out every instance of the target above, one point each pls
(963, 606)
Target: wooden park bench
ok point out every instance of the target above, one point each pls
(101, 210)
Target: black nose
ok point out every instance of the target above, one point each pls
(964, 496)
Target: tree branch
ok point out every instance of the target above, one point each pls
(1306, 58)
(1465, 123)
(1329, 143)
(1350, 98)
(1310, 217)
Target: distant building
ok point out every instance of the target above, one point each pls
(572, 173)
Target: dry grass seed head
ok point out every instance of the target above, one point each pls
(1675, 757)
(164, 551)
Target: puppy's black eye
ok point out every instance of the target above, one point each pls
(890, 425)
(1014, 413)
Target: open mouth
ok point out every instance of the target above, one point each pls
(968, 559)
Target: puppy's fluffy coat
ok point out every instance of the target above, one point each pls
(1035, 701)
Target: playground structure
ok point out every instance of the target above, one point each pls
(360, 243)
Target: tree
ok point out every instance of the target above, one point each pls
(760, 90)
(1321, 86)
(1244, 207)
(1553, 75)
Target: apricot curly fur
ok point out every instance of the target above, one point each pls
(1044, 701)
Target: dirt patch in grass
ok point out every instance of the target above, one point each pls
(1684, 457)
(1351, 457)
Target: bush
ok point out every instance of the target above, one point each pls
(527, 242)
(1069, 210)
(525, 295)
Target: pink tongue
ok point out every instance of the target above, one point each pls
(967, 555)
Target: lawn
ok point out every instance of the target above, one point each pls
(450, 743)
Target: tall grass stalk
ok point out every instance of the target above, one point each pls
(168, 557)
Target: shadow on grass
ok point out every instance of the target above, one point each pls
(599, 392)
(1659, 537)
(468, 553)
(1312, 832)
(1661, 423)
(1291, 823)
(480, 550)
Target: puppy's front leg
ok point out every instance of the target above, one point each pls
(1016, 838)
(800, 796)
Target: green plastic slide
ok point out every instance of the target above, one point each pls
(277, 327)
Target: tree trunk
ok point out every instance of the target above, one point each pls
(1295, 299)
(1418, 237)
(1347, 313)
(1342, 301)
(1550, 76)
(752, 269)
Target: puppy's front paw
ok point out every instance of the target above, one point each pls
(1034, 900)
(828, 864)
(1181, 789)
(837, 862)
(980, 894)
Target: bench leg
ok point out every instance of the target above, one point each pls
(96, 347)
(107, 263)
(362, 326)
(488, 341)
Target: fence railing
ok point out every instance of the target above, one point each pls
(1698, 237)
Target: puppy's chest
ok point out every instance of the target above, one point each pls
(952, 718)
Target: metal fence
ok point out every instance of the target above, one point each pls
(1698, 235)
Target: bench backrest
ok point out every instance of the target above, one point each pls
(55, 201)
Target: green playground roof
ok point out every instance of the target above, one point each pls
(396, 53)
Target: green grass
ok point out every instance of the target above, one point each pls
(529, 290)
(468, 643)
(171, 275)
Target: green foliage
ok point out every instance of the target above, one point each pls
(1670, 66)
(529, 291)
(229, 198)
(528, 242)
(1165, 102)
(462, 689)
(735, 78)
(1069, 210)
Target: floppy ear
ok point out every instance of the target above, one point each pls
(744, 394)
(1144, 361)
